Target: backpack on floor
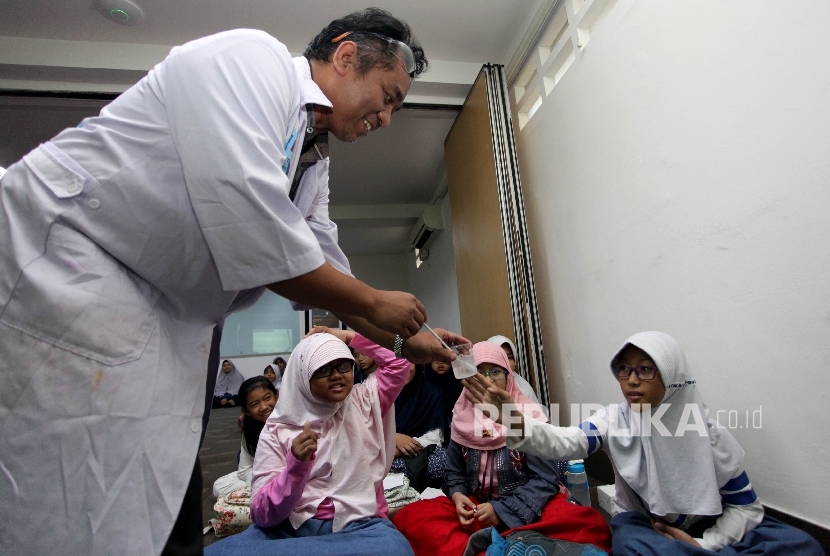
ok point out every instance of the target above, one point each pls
(526, 543)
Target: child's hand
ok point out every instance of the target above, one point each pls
(486, 515)
(305, 444)
(673, 533)
(464, 507)
(345, 336)
(406, 446)
(481, 390)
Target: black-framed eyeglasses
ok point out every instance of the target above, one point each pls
(643, 372)
(344, 368)
(495, 373)
(400, 49)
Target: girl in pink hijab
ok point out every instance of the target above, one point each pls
(489, 485)
(322, 456)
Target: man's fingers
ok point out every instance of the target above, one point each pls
(451, 338)
(422, 313)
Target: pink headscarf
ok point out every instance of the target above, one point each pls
(355, 445)
(488, 435)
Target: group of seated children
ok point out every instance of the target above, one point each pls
(326, 447)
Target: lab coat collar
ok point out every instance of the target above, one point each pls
(310, 93)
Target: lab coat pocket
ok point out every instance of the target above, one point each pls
(62, 175)
(78, 298)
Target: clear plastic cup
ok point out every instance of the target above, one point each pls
(464, 365)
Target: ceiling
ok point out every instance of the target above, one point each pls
(378, 185)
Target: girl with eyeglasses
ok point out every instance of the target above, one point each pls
(682, 483)
(489, 485)
(323, 454)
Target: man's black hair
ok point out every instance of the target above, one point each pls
(372, 52)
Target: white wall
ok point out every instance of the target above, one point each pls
(383, 272)
(676, 179)
(434, 283)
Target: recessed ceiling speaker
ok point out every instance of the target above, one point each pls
(123, 12)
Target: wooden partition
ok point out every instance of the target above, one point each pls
(483, 293)
(496, 291)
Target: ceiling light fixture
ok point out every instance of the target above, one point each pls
(123, 12)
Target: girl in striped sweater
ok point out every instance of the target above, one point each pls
(679, 476)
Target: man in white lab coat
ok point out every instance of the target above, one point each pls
(123, 242)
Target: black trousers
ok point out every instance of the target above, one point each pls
(186, 537)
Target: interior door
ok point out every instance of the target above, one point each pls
(496, 291)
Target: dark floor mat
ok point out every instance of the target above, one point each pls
(218, 457)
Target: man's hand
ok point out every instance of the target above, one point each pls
(327, 288)
(304, 445)
(406, 446)
(481, 390)
(486, 515)
(425, 348)
(345, 336)
(674, 533)
(397, 312)
(465, 508)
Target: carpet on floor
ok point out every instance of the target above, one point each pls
(218, 457)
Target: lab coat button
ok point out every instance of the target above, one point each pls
(309, 129)
(94, 203)
(72, 187)
(195, 426)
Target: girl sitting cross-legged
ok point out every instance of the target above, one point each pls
(488, 484)
(323, 454)
(683, 483)
(257, 397)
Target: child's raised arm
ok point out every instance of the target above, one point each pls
(535, 437)
(392, 372)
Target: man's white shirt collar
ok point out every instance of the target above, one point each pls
(310, 93)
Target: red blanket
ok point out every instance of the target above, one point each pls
(433, 529)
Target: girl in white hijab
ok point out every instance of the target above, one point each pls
(322, 456)
(679, 474)
(228, 381)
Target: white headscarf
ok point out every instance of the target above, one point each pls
(523, 384)
(355, 445)
(673, 474)
(228, 382)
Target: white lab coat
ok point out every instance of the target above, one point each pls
(122, 243)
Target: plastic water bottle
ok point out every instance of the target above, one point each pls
(578, 482)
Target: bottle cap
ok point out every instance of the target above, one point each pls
(576, 467)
